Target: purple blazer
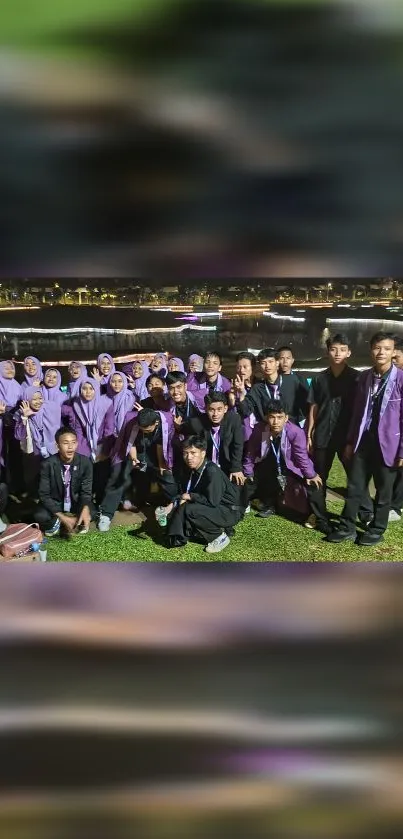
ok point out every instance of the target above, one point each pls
(106, 436)
(390, 428)
(197, 381)
(293, 448)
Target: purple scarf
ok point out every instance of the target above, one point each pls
(10, 390)
(199, 359)
(140, 391)
(92, 414)
(128, 437)
(29, 380)
(54, 394)
(44, 423)
(73, 388)
(122, 402)
(179, 362)
(105, 379)
(163, 370)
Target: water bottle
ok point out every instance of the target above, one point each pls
(161, 516)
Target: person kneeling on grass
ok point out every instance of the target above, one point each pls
(65, 488)
(207, 506)
(280, 471)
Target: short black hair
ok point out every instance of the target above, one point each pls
(382, 336)
(339, 338)
(398, 343)
(282, 349)
(147, 417)
(215, 396)
(210, 353)
(268, 352)
(64, 430)
(175, 377)
(249, 355)
(155, 376)
(197, 440)
(276, 406)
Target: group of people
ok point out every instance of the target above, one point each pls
(210, 445)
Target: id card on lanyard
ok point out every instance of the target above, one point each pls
(215, 439)
(281, 479)
(277, 394)
(191, 478)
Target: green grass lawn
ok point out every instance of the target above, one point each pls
(255, 540)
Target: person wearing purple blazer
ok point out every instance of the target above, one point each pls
(211, 378)
(280, 471)
(137, 373)
(77, 373)
(374, 442)
(50, 388)
(175, 365)
(32, 373)
(10, 451)
(122, 399)
(142, 455)
(36, 423)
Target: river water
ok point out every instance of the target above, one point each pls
(61, 333)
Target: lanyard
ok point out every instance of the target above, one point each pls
(214, 439)
(277, 389)
(177, 414)
(277, 455)
(375, 394)
(191, 478)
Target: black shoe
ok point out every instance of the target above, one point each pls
(342, 535)
(176, 542)
(324, 527)
(230, 531)
(265, 512)
(369, 539)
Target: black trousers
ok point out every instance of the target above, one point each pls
(3, 497)
(46, 519)
(265, 487)
(31, 467)
(368, 463)
(142, 481)
(201, 521)
(397, 497)
(323, 460)
(119, 481)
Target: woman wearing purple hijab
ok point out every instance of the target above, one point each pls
(176, 365)
(137, 373)
(77, 373)
(122, 399)
(105, 367)
(159, 364)
(51, 387)
(36, 423)
(10, 452)
(33, 374)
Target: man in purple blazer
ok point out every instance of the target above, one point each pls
(374, 442)
(281, 470)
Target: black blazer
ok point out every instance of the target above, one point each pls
(231, 440)
(293, 395)
(214, 488)
(51, 488)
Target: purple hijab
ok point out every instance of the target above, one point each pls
(199, 359)
(179, 362)
(140, 391)
(29, 380)
(163, 370)
(92, 414)
(105, 379)
(73, 388)
(122, 402)
(10, 390)
(44, 423)
(53, 394)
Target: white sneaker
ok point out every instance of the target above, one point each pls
(104, 524)
(3, 526)
(393, 516)
(311, 522)
(218, 544)
(248, 509)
